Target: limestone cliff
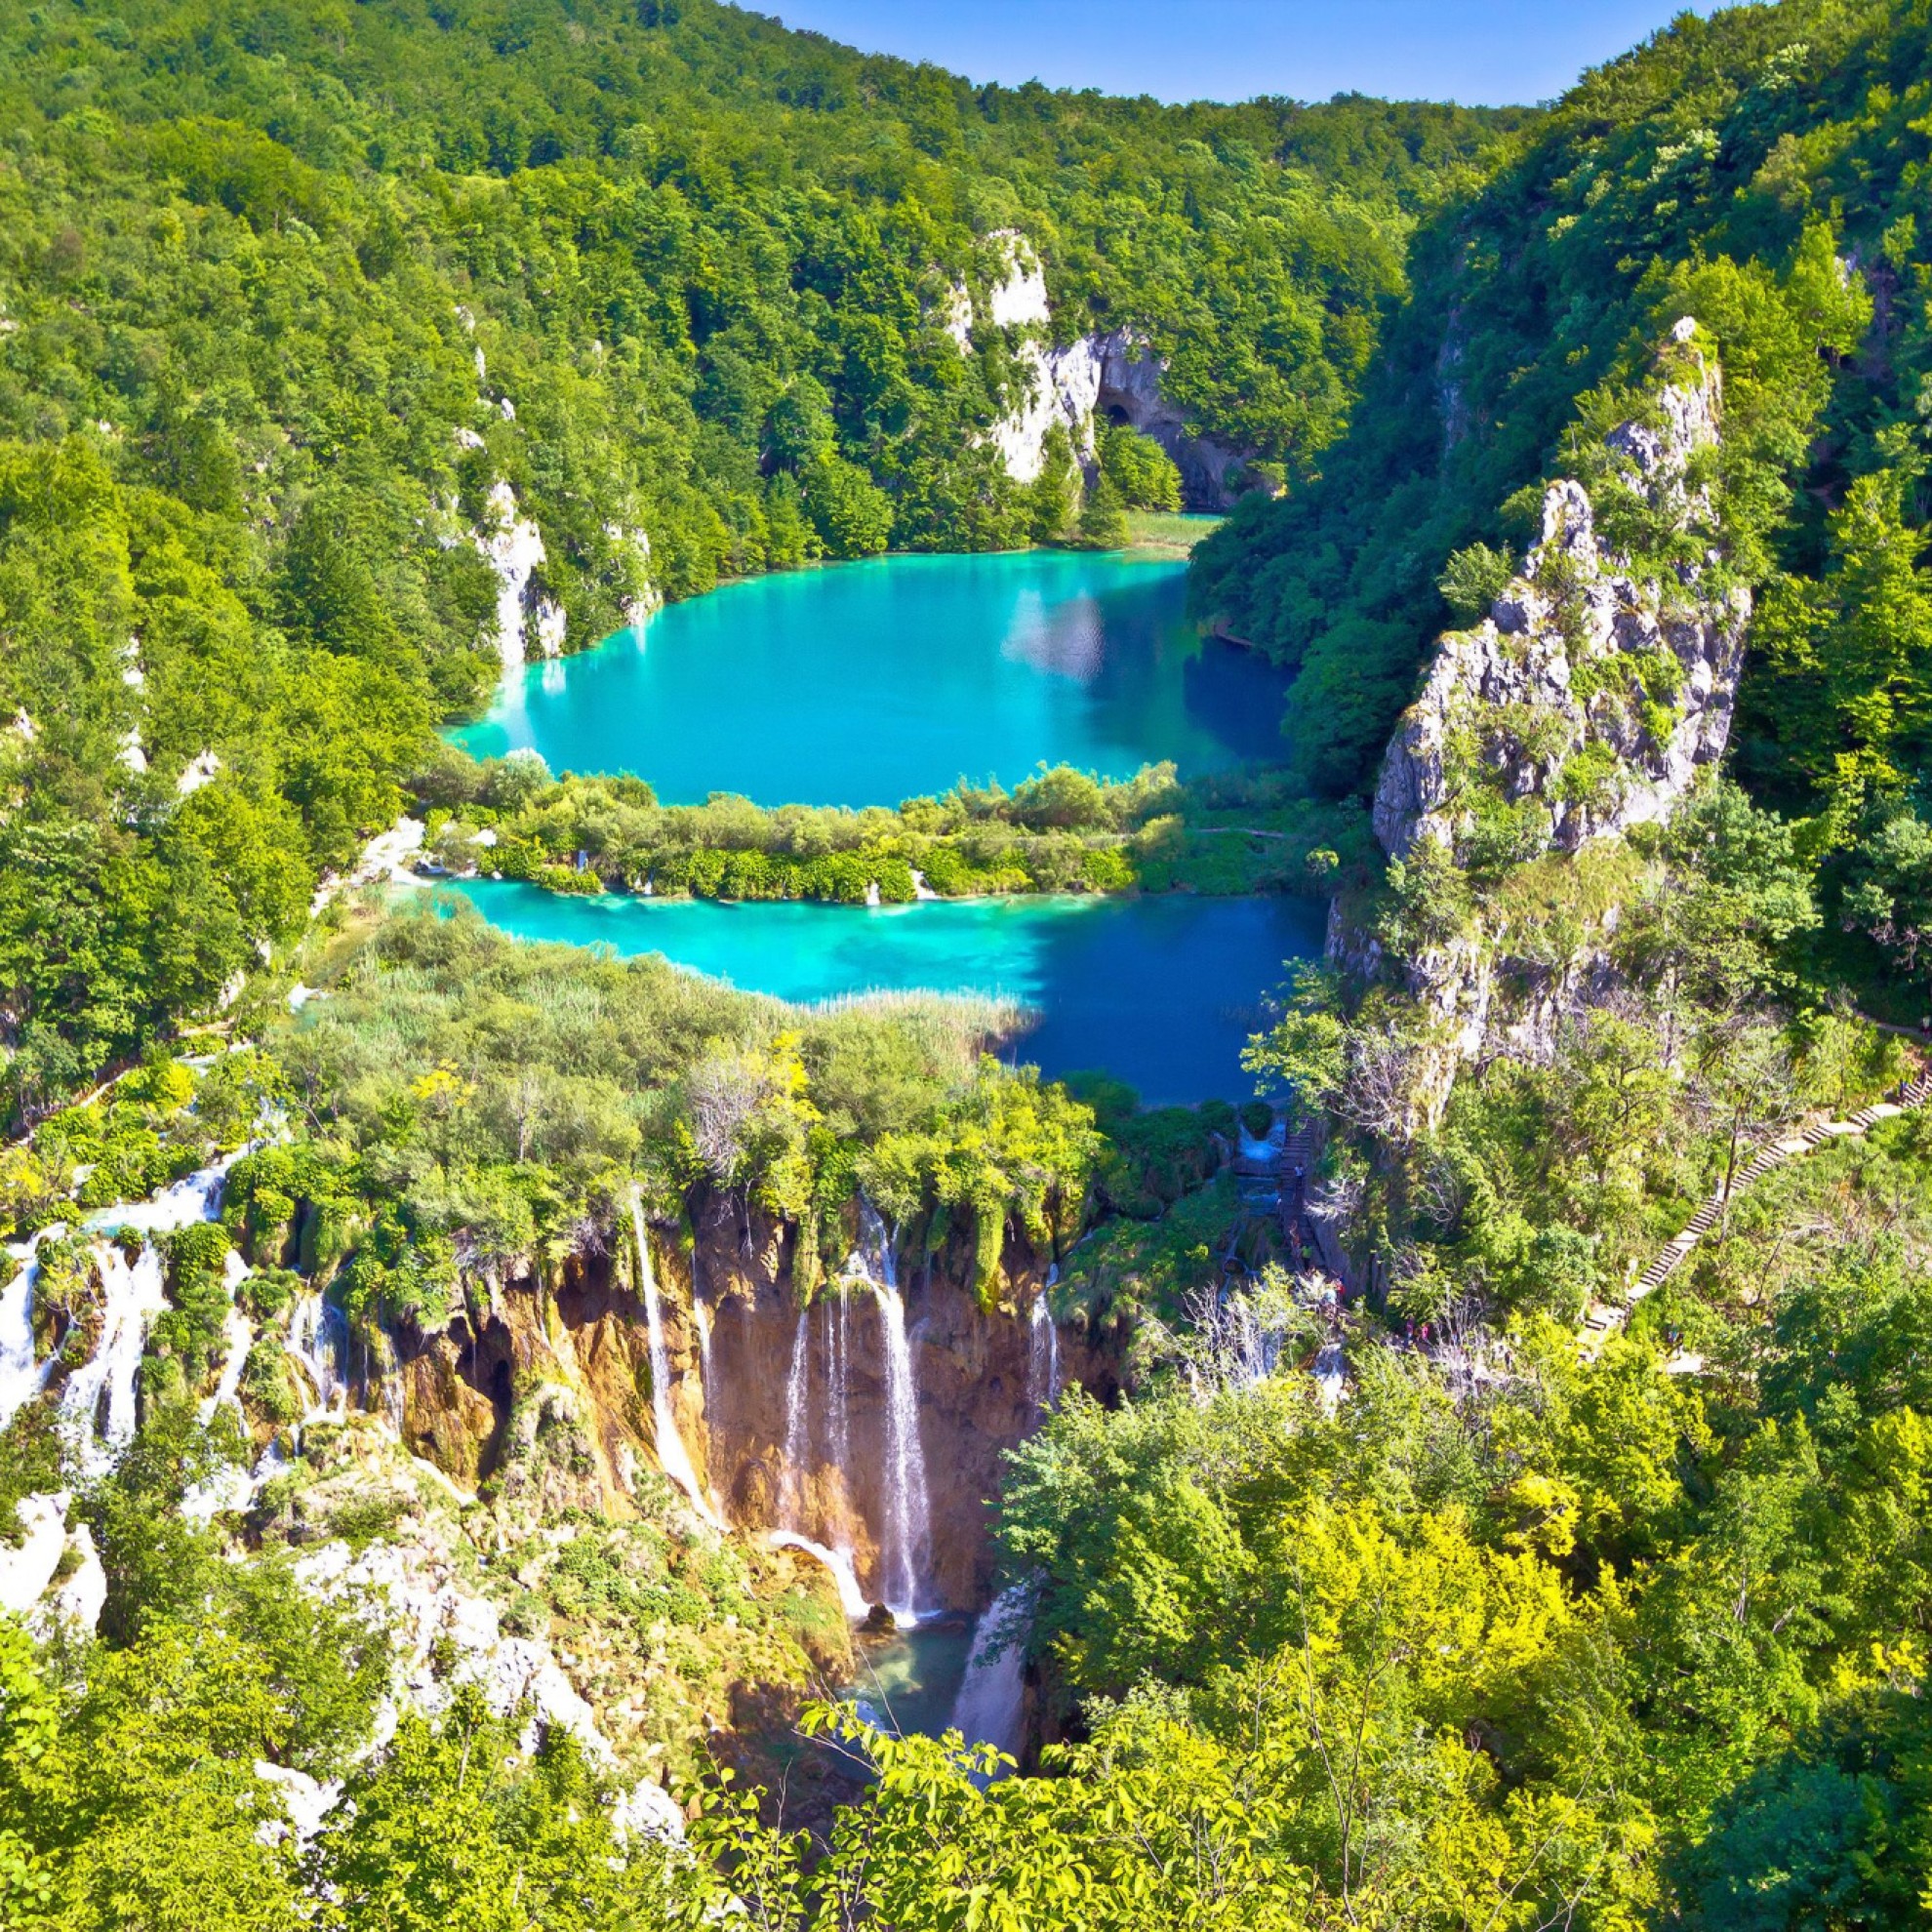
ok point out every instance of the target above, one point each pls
(785, 1414)
(1590, 694)
(1591, 699)
(1112, 376)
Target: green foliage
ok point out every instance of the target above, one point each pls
(1139, 468)
(1060, 831)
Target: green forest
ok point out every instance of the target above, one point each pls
(1474, 1476)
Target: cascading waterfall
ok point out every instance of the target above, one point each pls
(839, 1561)
(674, 1458)
(838, 1397)
(98, 1404)
(319, 1339)
(240, 1334)
(19, 1380)
(701, 1317)
(1043, 1356)
(1330, 1374)
(990, 1706)
(797, 1427)
(907, 1542)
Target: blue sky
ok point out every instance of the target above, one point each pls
(1472, 50)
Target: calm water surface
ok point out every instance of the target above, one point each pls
(1162, 991)
(867, 683)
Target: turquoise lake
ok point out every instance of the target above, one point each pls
(1161, 991)
(867, 683)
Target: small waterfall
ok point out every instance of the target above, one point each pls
(906, 1549)
(97, 1403)
(1330, 1373)
(837, 1561)
(797, 1427)
(318, 1338)
(1043, 1356)
(838, 1397)
(239, 1333)
(908, 1509)
(19, 1380)
(991, 1703)
(388, 1377)
(701, 1317)
(674, 1458)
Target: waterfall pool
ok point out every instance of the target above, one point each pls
(908, 1681)
(1161, 991)
(867, 683)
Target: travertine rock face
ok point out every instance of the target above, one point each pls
(1589, 699)
(1110, 376)
(550, 1387)
(1579, 657)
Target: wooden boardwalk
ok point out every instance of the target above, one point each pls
(1602, 1319)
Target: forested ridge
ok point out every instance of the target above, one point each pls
(1714, 172)
(1388, 1542)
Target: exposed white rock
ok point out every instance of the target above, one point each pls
(956, 316)
(648, 1811)
(200, 770)
(1507, 690)
(514, 548)
(131, 753)
(446, 1635)
(389, 856)
(1019, 298)
(1591, 699)
(307, 1800)
(466, 438)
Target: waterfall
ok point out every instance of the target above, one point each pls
(906, 1545)
(674, 1458)
(701, 1317)
(319, 1339)
(837, 1561)
(838, 1397)
(98, 1404)
(1330, 1372)
(991, 1700)
(1043, 1356)
(909, 1509)
(797, 1427)
(389, 1375)
(19, 1380)
(239, 1333)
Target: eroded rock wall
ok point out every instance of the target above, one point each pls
(552, 1380)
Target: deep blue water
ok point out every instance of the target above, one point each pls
(1160, 991)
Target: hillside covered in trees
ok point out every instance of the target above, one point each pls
(1765, 171)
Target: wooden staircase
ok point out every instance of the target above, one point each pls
(1601, 1318)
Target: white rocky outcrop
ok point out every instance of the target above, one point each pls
(1559, 666)
(1111, 375)
(446, 1635)
(200, 770)
(513, 547)
(1591, 699)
